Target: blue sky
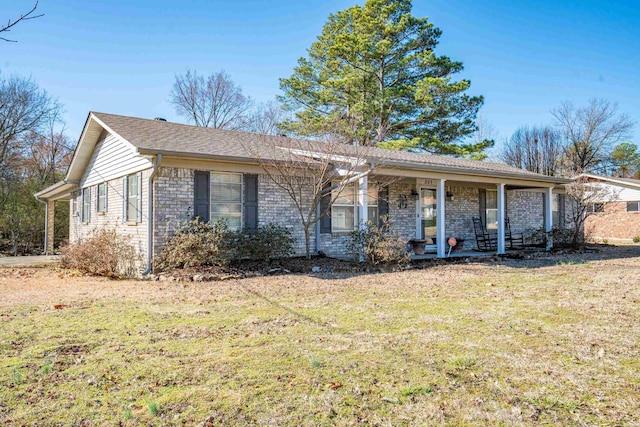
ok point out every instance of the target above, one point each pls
(525, 57)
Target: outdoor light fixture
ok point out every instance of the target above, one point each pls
(449, 195)
(414, 194)
(402, 201)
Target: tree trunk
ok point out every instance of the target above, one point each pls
(307, 240)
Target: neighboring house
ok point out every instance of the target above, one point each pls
(211, 173)
(617, 215)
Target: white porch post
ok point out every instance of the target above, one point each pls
(501, 218)
(363, 202)
(440, 220)
(548, 216)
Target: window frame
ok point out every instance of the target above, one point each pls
(74, 204)
(595, 208)
(86, 205)
(101, 199)
(555, 210)
(127, 208)
(487, 209)
(373, 188)
(372, 204)
(214, 217)
(637, 205)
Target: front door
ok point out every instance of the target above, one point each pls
(428, 215)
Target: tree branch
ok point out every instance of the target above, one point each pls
(23, 17)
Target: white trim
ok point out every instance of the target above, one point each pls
(354, 161)
(363, 202)
(440, 218)
(501, 218)
(548, 217)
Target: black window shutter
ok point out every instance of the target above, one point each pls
(482, 199)
(561, 212)
(383, 203)
(250, 201)
(201, 201)
(325, 221)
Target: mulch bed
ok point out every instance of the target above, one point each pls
(240, 270)
(330, 266)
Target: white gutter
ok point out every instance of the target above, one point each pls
(156, 165)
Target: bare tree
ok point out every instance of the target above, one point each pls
(310, 171)
(23, 108)
(265, 119)
(584, 196)
(48, 152)
(214, 102)
(485, 135)
(536, 149)
(24, 17)
(590, 132)
(32, 153)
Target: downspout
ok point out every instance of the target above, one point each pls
(46, 223)
(156, 165)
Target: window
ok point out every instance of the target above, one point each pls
(595, 207)
(101, 197)
(74, 204)
(491, 212)
(372, 204)
(555, 210)
(86, 204)
(344, 211)
(633, 206)
(132, 206)
(226, 199)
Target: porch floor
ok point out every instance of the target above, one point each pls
(462, 254)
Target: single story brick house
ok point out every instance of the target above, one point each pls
(617, 216)
(141, 175)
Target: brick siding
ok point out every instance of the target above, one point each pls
(614, 223)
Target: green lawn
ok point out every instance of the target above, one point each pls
(467, 344)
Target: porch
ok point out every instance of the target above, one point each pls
(436, 209)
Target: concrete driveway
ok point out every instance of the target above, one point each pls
(14, 261)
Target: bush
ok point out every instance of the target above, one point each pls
(379, 245)
(196, 243)
(636, 239)
(562, 237)
(266, 243)
(104, 253)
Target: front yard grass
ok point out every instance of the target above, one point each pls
(467, 344)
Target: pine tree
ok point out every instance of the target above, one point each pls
(373, 73)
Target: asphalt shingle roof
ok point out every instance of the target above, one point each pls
(195, 141)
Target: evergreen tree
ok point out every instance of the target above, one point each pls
(373, 73)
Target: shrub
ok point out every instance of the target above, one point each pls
(562, 237)
(104, 253)
(196, 243)
(636, 239)
(265, 243)
(379, 245)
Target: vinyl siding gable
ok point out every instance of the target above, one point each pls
(112, 158)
